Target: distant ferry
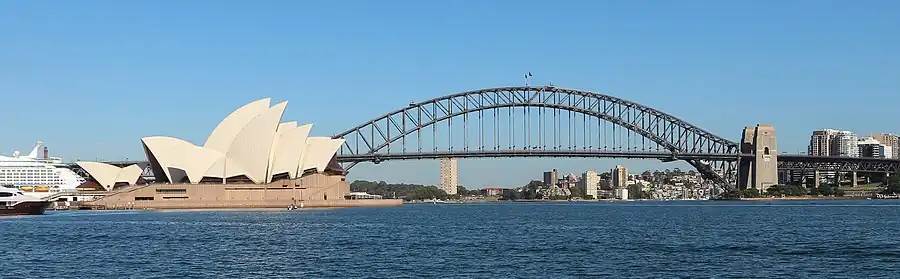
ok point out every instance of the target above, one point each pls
(37, 176)
(15, 202)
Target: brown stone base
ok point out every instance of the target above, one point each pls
(315, 190)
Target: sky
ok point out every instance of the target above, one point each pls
(90, 78)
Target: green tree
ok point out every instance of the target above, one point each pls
(751, 193)
(511, 195)
(776, 190)
(797, 190)
(732, 194)
(647, 175)
(576, 192)
(405, 191)
(893, 186)
(814, 191)
(463, 192)
(838, 192)
(634, 192)
(826, 190)
(605, 175)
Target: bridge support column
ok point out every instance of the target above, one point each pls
(853, 179)
(817, 178)
(760, 171)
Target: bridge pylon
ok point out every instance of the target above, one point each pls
(759, 171)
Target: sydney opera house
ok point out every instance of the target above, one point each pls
(251, 159)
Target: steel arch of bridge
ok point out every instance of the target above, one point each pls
(712, 155)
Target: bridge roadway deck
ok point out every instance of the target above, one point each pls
(536, 153)
(785, 161)
(574, 153)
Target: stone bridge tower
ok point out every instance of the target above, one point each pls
(761, 170)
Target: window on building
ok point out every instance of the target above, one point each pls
(171, 191)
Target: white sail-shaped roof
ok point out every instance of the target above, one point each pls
(252, 146)
(173, 153)
(129, 174)
(223, 135)
(319, 151)
(251, 142)
(290, 146)
(108, 175)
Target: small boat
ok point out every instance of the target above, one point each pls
(15, 202)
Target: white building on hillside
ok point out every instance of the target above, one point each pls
(589, 183)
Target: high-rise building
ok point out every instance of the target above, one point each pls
(830, 142)
(821, 141)
(890, 140)
(590, 180)
(869, 147)
(550, 178)
(619, 177)
(449, 175)
(845, 144)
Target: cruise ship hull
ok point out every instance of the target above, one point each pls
(25, 208)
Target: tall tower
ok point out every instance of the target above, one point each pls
(449, 175)
(820, 142)
(590, 181)
(619, 177)
(762, 171)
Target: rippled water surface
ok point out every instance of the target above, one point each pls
(797, 239)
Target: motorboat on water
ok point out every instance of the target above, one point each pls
(15, 202)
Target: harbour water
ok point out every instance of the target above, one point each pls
(697, 239)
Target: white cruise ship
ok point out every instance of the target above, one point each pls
(37, 176)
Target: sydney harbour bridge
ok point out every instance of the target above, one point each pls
(547, 121)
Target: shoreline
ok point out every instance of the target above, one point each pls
(803, 198)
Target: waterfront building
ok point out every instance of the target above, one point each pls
(364, 196)
(890, 140)
(622, 193)
(449, 175)
(619, 177)
(590, 180)
(492, 191)
(251, 159)
(821, 141)
(550, 178)
(569, 181)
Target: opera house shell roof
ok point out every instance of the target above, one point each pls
(251, 145)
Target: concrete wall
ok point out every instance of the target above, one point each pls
(315, 190)
(762, 171)
(765, 167)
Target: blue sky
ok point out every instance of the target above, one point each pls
(91, 77)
